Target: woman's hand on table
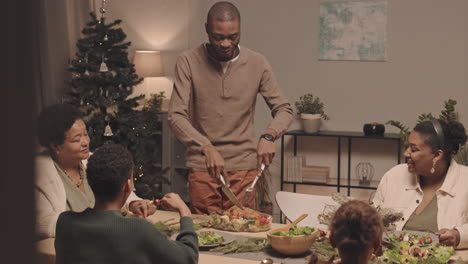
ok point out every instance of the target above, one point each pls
(142, 208)
(449, 237)
(172, 201)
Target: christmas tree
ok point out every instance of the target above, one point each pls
(102, 81)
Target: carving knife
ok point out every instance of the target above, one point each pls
(229, 193)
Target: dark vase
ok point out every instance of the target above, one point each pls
(374, 129)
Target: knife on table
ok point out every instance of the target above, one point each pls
(229, 193)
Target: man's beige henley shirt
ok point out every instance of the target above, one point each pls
(211, 107)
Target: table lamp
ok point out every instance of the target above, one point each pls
(148, 65)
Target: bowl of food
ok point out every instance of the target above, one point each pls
(292, 240)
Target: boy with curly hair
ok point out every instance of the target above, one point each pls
(102, 235)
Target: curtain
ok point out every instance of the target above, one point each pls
(58, 28)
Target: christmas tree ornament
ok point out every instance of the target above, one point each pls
(103, 67)
(106, 38)
(111, 110)
(108, 131)
(103, 9)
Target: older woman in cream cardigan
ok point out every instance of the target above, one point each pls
(61, 183)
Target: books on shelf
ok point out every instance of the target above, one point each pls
(298, 171)
(295, 169)
(315, 174)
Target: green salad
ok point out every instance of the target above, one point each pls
(402, 248)
(415, 249)
(296, 231)
(209, 238)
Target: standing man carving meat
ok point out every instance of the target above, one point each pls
(212, 111)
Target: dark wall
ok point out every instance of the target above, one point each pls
(17, 112)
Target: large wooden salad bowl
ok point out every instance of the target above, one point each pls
(291, 245)
(294, 245)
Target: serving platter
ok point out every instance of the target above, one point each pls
(223, 222)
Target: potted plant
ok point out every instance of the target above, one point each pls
(311, 112)
(155, 102)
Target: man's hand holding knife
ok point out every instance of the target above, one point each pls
(214, 163)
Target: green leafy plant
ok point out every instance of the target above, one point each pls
(155, 102)
(310, 104)
(462, 155)
(404, 130)
(447, 114)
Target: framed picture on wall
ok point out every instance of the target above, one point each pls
(353, 30)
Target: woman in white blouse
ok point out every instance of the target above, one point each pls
(431, 189)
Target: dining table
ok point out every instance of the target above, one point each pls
(46, 250)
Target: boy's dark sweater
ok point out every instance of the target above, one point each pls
(107, 237)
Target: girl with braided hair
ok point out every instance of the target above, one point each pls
(356, 231)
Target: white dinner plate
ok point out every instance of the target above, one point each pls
(228, 238)
(435, 239)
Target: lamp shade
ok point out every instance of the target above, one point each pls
(148, 63)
